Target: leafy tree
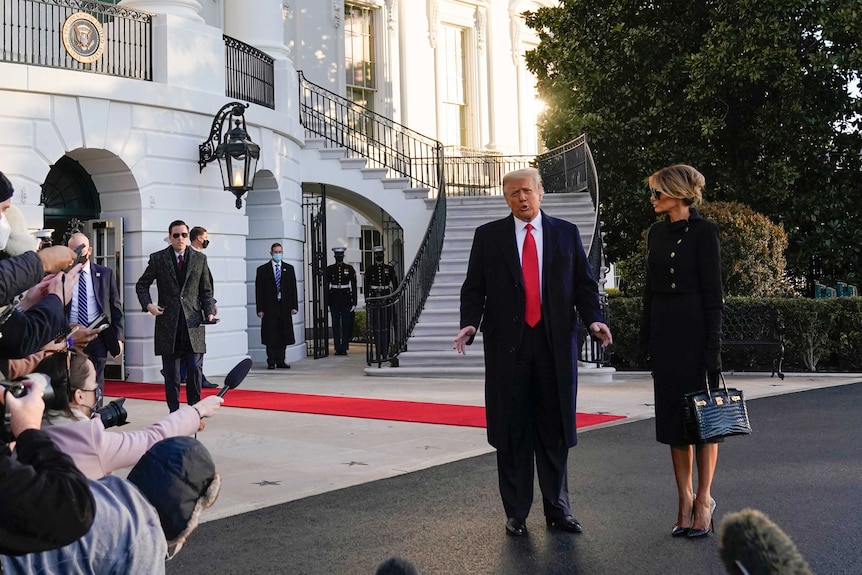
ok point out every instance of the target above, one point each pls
(754, 93)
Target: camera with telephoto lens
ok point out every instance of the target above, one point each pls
(18, 389)
(113, 414)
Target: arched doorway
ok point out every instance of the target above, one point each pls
(68, 194)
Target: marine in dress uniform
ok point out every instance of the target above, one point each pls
(341, 283)
(380, 280)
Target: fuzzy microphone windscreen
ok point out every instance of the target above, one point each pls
(750, 543)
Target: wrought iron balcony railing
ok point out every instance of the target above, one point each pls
(81, 35)
(249, 73)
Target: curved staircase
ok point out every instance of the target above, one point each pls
(429, 349)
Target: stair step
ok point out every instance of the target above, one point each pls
(332, 153)
(353, 163)
(374, 173)
(416, 193)
(314, 143)
(396, 183)
(475, 357)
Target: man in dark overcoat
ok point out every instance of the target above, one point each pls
(182, 277)
(527, 281)
(277, 302)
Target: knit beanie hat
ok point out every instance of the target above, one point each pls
(6, 189)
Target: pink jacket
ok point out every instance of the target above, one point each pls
(98, 452)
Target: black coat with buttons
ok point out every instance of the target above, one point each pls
(492, 298)
(681, 325)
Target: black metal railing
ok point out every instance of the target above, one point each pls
(383, 142)
(249, 73)
(32, 32)
(570, 168)
(405, 153)
(479, 172)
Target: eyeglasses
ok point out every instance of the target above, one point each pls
(656, 194)
(184, 234)
(97, 391)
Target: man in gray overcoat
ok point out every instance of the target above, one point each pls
(184, 282)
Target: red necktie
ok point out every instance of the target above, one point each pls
(530, 270)
(180, 261)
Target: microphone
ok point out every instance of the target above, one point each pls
(751, 544)
(235, 376)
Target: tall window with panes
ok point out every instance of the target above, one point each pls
(452, 45)
(359, 53)
(369, 239)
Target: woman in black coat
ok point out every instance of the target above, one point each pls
(681, 330)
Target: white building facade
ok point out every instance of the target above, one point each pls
(121, 149)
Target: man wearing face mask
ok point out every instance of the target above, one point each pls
(96, 293)
(380, 280)
(277, 303)
(199, 241)
(341, 283)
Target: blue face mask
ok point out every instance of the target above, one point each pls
(277, 257)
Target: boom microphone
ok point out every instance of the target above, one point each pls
(235, 376)
(751, 544)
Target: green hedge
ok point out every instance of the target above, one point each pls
(819, 334)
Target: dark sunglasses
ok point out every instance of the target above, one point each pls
(184, 234)
(656, 194)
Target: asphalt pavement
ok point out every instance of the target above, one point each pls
(309, 493)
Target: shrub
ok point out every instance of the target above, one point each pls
(752, 254)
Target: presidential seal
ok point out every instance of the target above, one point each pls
(83, 37)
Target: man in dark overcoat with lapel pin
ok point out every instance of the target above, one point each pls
(183, 280)
(277, 303)
(528, 280)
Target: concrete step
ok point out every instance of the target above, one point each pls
(416, 193)
(434, 328)
(332, 153)
(396, 183)
(475, 357)
(374, 173)
(353, 163)
(441, 344)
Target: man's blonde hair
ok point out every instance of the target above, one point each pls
(524, 173)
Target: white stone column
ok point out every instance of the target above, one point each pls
(190, 9)
(259, 24)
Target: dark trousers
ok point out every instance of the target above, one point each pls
(171, 368)
(98, 354)
(275, 354)
(198, 360)
(535, 433)
(381, 323)
(342, 328)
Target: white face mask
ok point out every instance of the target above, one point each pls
(5, 231)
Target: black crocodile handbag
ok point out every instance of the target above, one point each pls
(715, 413)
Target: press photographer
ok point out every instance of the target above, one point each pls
(45, 501)
(74, 428)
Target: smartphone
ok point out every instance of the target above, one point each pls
(99, 323)
(80, 257)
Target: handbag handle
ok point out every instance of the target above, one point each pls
(723, 384)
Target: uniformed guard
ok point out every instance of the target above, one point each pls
(341, 282)
(380, 280)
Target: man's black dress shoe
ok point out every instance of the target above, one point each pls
(516, 527)
(270, 366)
(282, 366)
(567, 523)
(208, 385)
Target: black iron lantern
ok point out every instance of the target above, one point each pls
(237, 155)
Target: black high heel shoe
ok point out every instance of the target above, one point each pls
(679, 531)
(692, 533)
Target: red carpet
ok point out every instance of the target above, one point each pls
(386, 409)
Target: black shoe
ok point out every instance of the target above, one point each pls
(568, 524)
(270, 366)
(516, 527)
(208, 385)
(282, 366)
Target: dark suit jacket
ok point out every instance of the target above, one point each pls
(492, 300)
(189, 299)
(108, 299)
(276, 312)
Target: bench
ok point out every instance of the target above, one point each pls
(754, 328)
